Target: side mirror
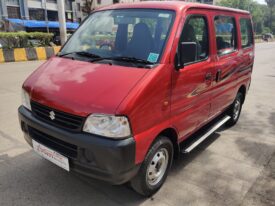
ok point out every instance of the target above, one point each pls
(187, 52)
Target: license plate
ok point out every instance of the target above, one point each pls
(51, 155)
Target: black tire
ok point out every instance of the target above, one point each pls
(235, 110)
(141, 183)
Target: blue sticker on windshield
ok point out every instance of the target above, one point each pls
(153, 57)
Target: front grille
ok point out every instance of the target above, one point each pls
(65, 148)
(61, 119)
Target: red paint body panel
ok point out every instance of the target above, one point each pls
(153, 99)
(82, 88)
(146, 109)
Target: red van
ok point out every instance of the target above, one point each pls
(135, 86)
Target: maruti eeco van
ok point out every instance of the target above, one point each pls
(133, 84)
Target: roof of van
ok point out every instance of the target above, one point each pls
(173, 5)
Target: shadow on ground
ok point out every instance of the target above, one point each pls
(33, 179)
(28, 178)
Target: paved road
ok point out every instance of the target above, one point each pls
(234, 167)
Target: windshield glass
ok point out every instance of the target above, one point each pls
(133, 33)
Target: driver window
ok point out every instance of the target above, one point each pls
(195, 31)
(225, 28)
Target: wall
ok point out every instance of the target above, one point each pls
(27, 54)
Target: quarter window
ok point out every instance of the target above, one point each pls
(246, 32)
(225, 28)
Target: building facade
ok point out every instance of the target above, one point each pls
(36, 9)
(201, 1)
(98, 3)
(47, 9)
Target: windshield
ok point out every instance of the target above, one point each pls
(129, 33)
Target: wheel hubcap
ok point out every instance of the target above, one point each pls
(157, 167)
(236, 110)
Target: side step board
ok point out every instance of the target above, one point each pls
(208, 132)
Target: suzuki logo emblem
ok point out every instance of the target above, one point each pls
(52, 115)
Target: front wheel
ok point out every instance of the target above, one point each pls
(235, 109)
(155, 167)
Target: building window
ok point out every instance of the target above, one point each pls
(78, 6)
(68, 5)
(36, 14)
(52, 15)
(13, 12)
(69, 16)
(52, 1)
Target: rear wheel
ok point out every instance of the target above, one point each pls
(155, 167)
(235, 109)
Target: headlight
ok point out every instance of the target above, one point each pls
(26, 100)
(116, 127)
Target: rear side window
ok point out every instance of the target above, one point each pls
(246, 32)
(225, 28)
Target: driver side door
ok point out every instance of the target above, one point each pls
(191, 84)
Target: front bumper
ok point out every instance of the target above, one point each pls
(101, 158)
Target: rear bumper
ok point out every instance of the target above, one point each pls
(101, 158)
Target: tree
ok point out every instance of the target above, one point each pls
(271, 4)
(240, 4)
(258, 11)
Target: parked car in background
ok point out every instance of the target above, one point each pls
(134, 85)
(267, 37)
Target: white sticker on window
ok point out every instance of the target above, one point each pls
(164, 15)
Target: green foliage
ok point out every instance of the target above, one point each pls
(266, 30)
(270, 3)
(199, 26)
(25, 39)
(261, 14)
(271, 7)
(240, 4)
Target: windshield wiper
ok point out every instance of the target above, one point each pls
(81, 53)
(124, 58)
(132, 59)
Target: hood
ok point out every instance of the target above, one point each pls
(82, 88)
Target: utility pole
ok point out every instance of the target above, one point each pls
(44, 2)
(62, 21)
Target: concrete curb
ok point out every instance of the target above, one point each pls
(27, 54)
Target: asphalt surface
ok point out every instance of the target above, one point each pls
(234, 166)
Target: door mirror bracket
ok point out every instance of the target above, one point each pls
(178, 64)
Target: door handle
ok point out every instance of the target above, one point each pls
(208, 77)
(218, 75)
